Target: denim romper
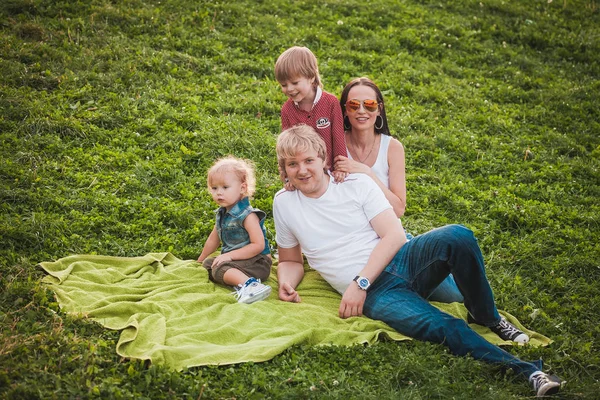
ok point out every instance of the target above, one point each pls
(230, 226)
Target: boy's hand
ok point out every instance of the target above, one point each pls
(339, 176)
(288, 186)
(286, 182)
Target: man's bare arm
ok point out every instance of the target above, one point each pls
(389, 229)
(290, 272)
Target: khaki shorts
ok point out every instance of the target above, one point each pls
(255, 267)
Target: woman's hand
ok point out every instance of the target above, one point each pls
(344, 164)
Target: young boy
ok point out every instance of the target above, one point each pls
(297, 72)
(245, 257)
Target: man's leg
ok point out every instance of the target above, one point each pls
(390, 299)
(426, 261)
(446, 292)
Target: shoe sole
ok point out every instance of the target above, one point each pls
(550, 391)
(524, 337)
(258, 296)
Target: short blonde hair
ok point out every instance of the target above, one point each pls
(243, 170)
(297, 62)
(299, 139)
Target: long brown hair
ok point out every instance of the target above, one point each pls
(364, 81)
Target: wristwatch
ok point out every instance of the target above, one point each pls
(362, 282)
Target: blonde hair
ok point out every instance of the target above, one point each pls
(243, 170)
(297, 62)
(299, 139)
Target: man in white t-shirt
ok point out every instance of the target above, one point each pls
(349, 233)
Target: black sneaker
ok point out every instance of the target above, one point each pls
(544, 384)
(505, 330)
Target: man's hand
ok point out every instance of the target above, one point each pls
(288, 293)
(352, 302)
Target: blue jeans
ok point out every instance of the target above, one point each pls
(447, 291)
(398, 296)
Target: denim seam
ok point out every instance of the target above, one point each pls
(429, 264)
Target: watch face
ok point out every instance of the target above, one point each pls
(363, 282)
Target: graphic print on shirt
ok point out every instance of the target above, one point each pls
(323, 123)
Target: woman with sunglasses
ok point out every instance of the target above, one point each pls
(374, 152)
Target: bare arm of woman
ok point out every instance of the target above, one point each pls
(396, 193)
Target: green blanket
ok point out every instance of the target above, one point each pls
(170, 313)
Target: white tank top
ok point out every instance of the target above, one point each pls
(381, 168)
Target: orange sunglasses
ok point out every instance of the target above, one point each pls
(370, 105)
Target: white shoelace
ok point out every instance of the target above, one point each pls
(508, 329)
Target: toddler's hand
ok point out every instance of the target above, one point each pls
(221, 258)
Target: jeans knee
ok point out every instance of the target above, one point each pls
(459, 234)
(461, 231)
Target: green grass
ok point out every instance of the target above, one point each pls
(112, 111)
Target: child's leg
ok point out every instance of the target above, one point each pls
(234, 277)
(207, 263)
(246, 277)
(255, 267)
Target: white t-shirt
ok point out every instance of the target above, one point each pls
(334, 230)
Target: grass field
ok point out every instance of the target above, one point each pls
(112, 111)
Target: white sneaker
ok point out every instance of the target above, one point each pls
(252, 290)
(544, 384)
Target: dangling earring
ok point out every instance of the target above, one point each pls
(347, 125)
(379, 120)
